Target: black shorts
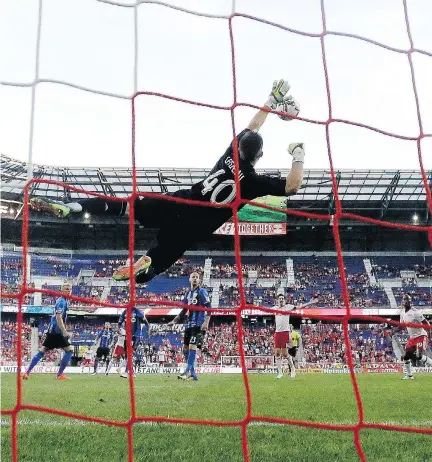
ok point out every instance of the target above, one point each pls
(53, 341)
(193, 336)
(292, 351)
(102, 352)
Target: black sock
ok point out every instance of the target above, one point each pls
(99, 206)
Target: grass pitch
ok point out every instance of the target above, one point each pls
(316, 398)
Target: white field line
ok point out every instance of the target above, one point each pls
(51, 422)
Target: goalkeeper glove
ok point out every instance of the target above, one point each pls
(297, 151)
(290, 107)
(278, 94)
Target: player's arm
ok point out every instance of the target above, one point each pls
(277, 96)
(178, 318)
(98, 336)
(206, 303)
(59, 310)
(264, 185)
(121, 319)
(312, 301)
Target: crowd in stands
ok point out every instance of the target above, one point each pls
(419, 296)
(315, 277)
(321, 343)
(265, 271)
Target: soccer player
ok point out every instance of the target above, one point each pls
(119, 354)
(139, 357)
(282, 334)
(292, 351)
(104, 339)
(196, 325)
(56, 336)
(137, 320)
(418, 338)
(182, 225)
(88, 356)
(161, 358)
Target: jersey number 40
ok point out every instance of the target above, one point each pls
(211, 183)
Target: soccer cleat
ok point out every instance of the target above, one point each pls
(93, 373)
(25, 376)
(192, 377)
(408, 377)
(279, 376)
(124, 375)
(62, 377)
(58, 209)
(183, 376)
(141, 266)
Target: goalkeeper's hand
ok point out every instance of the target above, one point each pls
(297, 151)
(278, 94)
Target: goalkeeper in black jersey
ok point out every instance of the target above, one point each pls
(182, 225)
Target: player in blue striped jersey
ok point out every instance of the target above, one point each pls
(196, 325)
(138, 320)
(103, 340)
(56, 336)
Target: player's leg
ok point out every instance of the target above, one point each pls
(290, 356)
(97, 359)
(199, 340)
(64, 362)
(407, 367)
(188, 334)
(130, 350)
(278, 363)
(424, 360)
(36, 358)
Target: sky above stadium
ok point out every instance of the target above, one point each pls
(91, 44)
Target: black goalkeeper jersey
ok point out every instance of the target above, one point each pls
(219, 188)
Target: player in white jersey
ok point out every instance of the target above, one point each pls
(161, 357)
(282, 337)
(87, 357)
(119, 350)
(418, 338)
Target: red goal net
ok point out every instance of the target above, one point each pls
(338, 216)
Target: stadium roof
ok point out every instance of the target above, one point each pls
(354, 185)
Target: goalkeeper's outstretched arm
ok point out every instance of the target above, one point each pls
(277, 96)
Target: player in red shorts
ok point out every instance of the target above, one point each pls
(87, 359)
(119, 350)
(418, 338)
(282, 334)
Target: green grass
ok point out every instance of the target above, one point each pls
(316, 398)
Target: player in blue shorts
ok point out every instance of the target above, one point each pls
(104, 340)
(196, 325)
(56, 336)
(138, 320)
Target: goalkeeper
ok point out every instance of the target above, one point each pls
(182, 225)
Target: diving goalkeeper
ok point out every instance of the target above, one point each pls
(182, 225)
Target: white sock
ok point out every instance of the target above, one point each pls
(291, 364)
(407, 368)
(426, 361)
(279, 364)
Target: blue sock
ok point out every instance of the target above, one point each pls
(64, 362)
(36, 358)
(96, 364)
(190, 360)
